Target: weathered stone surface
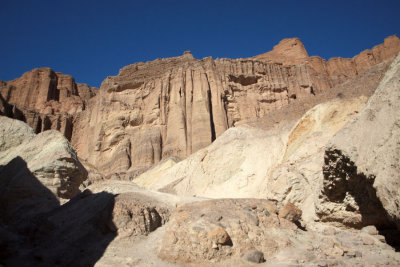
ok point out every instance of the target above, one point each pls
(35, 168)
(174, 107)
(254, 256)
(45, 99)
(361, 171)
(289, 51)
(136, 214)
(290, 212)
(214, 230)
(283, 164)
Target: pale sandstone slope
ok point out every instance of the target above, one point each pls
(369, 146)
(283, 164)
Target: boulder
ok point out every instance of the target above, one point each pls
(35, 169)
(217, 230)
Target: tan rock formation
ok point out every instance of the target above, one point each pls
(283, 164)
(176, 106)
(325, 74)
(49, 156)
(361, 172)
(215, 230)
(36, 171)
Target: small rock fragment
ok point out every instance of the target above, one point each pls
(370, 229)
(254, 256)
(290, 212)
(367, 240)
(219, 236)
(381, 238)
(350, 254)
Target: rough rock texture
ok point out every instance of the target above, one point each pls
(78, 232)
(218, 229)
(289, 51)
(135, 214)
(283, 164)
(242, 232)
(174, 107)
(325, 74)
(35, 168)
(361, 171)
(45, 99)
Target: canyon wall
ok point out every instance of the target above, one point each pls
(173, 107)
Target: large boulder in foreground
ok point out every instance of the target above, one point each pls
(362, 170)
(35, 170)
(215, 230)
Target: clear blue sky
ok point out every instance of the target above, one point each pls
(94, 39)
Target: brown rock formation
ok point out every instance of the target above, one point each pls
(289, 51)
(45, 99)
(176, 106)
(325, 74)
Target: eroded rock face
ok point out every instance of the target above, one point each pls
(361, 171)
(136, 214)
(283, 164)
(45, 99)
(289, 51)
(35, 169)
(174, 107)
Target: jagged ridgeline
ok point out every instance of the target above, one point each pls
(173, 107)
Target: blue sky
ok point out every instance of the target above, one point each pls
(94, 39)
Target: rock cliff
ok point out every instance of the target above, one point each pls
(176, 106)
(44, 99)
(173, 107)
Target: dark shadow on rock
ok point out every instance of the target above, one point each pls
(22, 195)
(5, 108)
(341, 177)
(36, 231)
